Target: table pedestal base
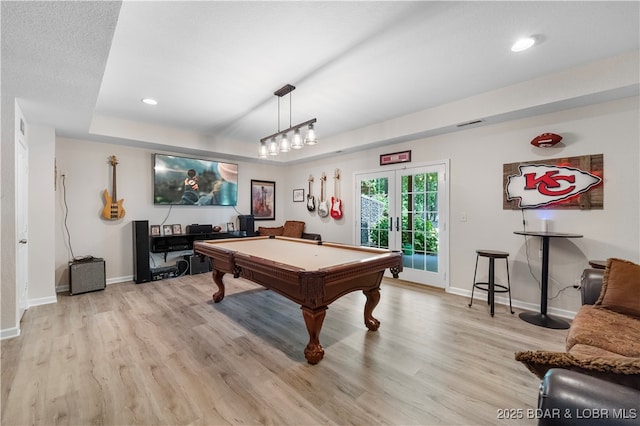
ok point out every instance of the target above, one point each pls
(543, 320)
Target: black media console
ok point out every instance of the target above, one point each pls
(143, 244)
(167, 243)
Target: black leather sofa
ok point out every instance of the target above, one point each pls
(571, 398)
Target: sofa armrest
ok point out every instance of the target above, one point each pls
(309, 236)
(590, 285)
(572, 398)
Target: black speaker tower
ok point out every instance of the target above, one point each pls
(141, 269)
(246, 223)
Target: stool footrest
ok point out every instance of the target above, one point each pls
(497, 288)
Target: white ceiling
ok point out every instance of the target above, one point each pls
(214, 65)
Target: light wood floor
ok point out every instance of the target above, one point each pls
(162, 353)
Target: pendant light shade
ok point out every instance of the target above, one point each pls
(311, 138)
(296, 143)
(285, 146)
(262, 153)
(273, 146)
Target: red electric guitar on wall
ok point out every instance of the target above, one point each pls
(336, 203)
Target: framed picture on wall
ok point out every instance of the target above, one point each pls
(395, 157)
(298, 195)
(263, 199)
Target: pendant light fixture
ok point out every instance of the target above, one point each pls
(269, 145)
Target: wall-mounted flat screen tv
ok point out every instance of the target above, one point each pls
(194, 182)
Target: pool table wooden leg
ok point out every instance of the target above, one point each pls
(314, 319)
(217, 279)
(373, 297)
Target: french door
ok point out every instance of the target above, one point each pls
(406, 210)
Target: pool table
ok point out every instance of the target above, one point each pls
(310, 273)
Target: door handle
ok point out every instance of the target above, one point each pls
(397, 223)
(23, 241)
(391, 225)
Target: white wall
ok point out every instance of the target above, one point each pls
(41, 214)
(476, 160)
(88, 174)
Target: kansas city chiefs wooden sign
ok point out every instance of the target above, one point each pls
(543, 185)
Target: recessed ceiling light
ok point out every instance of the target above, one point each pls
(523, 44)
(149, 101)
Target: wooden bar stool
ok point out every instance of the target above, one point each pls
(491, 287)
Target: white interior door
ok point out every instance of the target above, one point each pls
(22, 226)
(406, 209)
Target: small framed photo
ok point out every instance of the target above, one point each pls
(155, 230)
(298, 195)
(263, 199)
(176, 229)
(230, 227)
(167, 230)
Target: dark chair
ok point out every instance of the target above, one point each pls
(591, 285)
(491, 287)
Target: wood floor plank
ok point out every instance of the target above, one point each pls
(164, 353)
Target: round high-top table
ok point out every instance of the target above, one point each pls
(541, 318)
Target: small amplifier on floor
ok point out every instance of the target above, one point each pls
(87, 275)
(198, 264)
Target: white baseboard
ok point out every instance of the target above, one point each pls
(116, 280)
(42, 301)
(65, 287)
(9, 333)
(500, 300)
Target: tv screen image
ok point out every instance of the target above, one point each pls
(195, 182)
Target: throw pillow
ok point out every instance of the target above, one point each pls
(264, 230)
(293, 229)
(621, 287)
(623, 370)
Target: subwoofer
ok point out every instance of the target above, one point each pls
(141, 269)
(197, 264)
(86, 275)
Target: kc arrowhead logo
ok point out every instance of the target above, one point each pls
(539, 185)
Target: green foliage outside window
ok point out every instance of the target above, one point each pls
(419, 202)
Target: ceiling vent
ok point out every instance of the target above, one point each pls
(469, 123)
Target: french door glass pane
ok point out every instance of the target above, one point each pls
(420, 221)
(374, 212)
